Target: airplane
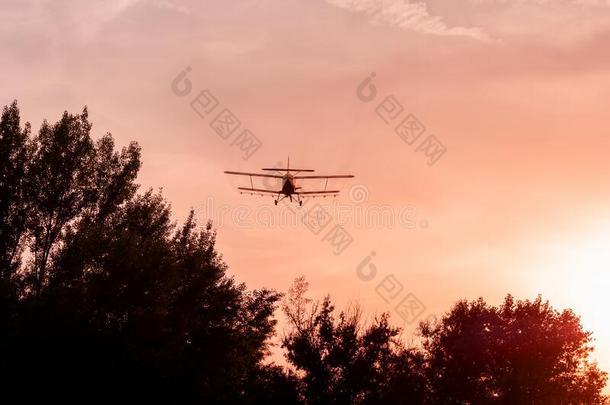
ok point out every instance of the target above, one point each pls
(289, 183)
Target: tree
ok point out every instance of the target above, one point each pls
(14, 156)
(520, 352)
(103, 298)
(72, 178)
(117, 303)
(341, 361)
(15, 152)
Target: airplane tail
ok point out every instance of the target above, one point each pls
(287, 169)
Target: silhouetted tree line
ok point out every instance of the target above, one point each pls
(104, 299)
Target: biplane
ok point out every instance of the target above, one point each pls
(289, 179)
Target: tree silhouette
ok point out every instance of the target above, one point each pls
(14, 156)
(70, 179)
(104, 299)
(522, 352)
(344, 362)
(113, 301)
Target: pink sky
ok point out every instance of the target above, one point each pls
(515, 89)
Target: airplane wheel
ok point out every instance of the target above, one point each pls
(301, 203)
(275, 201)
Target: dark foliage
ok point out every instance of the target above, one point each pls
(103, 299)
(521, 352)
(341, 361)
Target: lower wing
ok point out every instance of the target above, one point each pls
(335, 176)
(317, 192)
(257, 190)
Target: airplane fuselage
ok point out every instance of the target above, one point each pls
(289, 185)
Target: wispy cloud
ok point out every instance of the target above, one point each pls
(547, 2)
(407, 15)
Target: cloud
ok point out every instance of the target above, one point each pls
(408, 16)
(593, 3)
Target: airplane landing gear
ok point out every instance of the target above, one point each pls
(301, 203)
(275, 201)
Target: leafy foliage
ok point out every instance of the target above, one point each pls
(344, 362)
(104, 299)
(519, 352)
(102, 290)
(15, 153)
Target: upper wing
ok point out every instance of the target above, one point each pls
(336, 176)
(275, 176)
(281, 169)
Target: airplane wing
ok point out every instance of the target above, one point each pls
(325, 191)
(280, 169)
(338, 176)
(274, 176)
(317, 192)
(257, 190)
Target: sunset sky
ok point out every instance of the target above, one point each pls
(516, 90)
